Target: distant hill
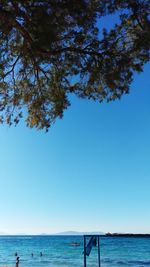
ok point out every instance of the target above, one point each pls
(79, 233)
(2, 233)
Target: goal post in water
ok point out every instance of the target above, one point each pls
(94, 240)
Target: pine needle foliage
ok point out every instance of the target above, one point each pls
(51, 48)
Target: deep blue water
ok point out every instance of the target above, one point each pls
(57, 251)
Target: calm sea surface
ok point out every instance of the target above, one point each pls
(57, 251)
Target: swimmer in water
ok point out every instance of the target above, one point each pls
(17, 262)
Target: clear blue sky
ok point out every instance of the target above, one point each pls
(90, 172)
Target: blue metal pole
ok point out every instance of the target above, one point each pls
(84, 251)
(99, 260)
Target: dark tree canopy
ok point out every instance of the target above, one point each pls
(51, 48)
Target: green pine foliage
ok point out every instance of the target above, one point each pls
(51, 48)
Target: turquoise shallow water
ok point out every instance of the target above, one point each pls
(57, 251)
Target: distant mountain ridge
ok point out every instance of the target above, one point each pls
(79, 233)
(65, 233)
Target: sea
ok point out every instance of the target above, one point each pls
(60, 251)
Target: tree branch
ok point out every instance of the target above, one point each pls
(10, 19)
(12, 69)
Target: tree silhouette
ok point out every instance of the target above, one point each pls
(51, 48)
